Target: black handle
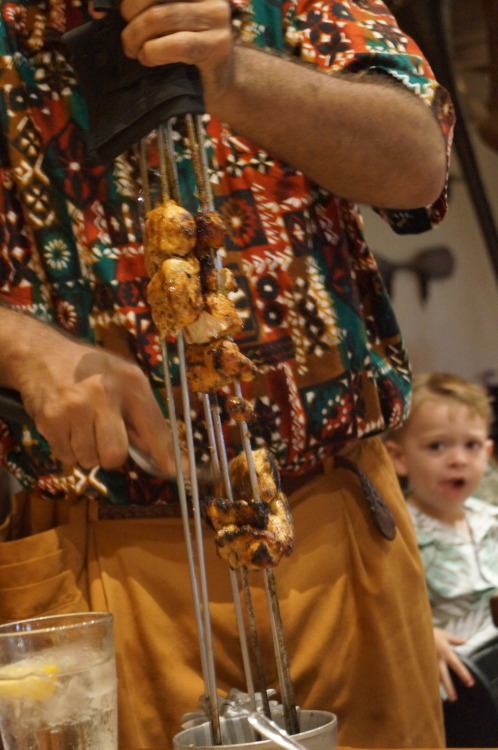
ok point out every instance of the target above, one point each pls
(105, 5)
(12, 408)
(125, 99)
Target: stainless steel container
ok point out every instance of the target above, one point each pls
(318, 732)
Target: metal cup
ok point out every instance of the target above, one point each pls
(318, 732)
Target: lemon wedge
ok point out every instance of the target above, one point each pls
(24, 681)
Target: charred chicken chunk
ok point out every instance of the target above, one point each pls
(216, 364)
(216, 279)
(252, 534)
(174, 295)
(219, 318)
(266, 471)
(221, 512)
(169, 230)
(253, 547)
(239, 409)
(210, 232)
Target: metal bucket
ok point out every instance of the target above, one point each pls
(318, 732)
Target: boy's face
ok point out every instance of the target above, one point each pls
(444, 452)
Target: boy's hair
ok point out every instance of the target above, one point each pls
(443, 386)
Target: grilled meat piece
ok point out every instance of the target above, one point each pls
(169, 230)
(221, 512)
(266, 471)
(210, 232)
(174, 295)
(219, 318)
(239, 409)
(252, 534)
(216, 279)
(246, 546)
(216, 364)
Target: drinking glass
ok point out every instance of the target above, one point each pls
(58, 683)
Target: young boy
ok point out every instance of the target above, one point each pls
(442, 452)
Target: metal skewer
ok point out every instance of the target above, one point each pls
(280, 649)
(217, 448)
(194, 129)
(256, 647)
(205, 638)
(212, 695)
(196, 567)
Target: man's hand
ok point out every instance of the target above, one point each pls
(357, 136)
(87, 403)
(197, 33)
(447, 658)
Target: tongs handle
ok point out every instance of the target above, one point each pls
(270, 729)
(126, 100)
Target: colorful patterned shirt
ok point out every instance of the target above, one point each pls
(461, 569)
(318, 322)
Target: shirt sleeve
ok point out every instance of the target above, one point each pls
(363, 38)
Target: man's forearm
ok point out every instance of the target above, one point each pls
(19, 335)
(370, 141)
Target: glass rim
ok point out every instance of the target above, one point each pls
(47, 623)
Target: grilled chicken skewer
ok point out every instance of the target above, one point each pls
(210, 360)
(279, 646)
(197, 569)
(199, 590)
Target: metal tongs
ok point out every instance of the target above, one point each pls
(272, 731)
(12, 409)
(119, 118)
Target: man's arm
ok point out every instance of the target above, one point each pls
(370, 141)
(87, 403)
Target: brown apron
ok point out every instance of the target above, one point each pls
(354, 607)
